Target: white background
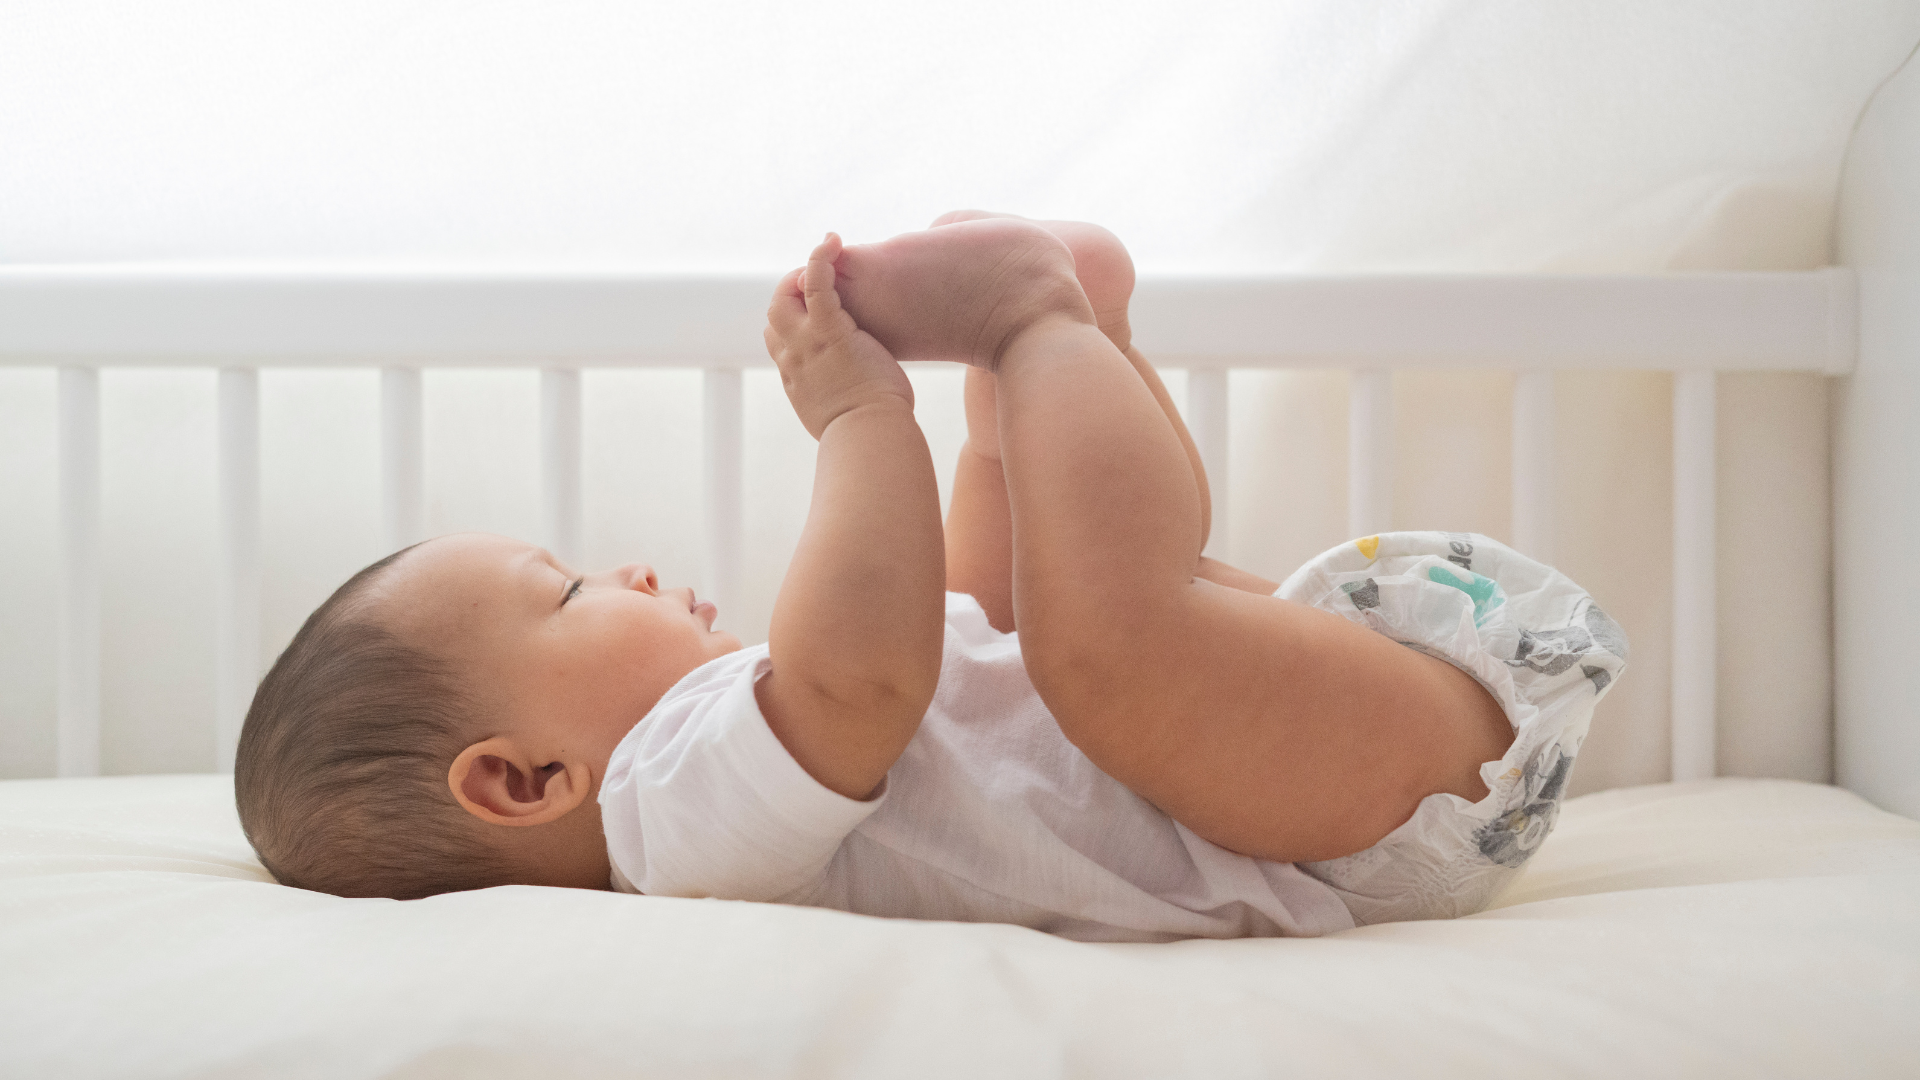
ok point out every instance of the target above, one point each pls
(1292, 136)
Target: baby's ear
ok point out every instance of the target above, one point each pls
(495, 781)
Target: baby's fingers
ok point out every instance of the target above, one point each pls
(787, 311)
(817, 284)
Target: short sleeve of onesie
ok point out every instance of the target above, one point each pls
(701, 798)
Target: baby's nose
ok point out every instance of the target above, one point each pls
(640, 576)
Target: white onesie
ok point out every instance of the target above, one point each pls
(990, 815)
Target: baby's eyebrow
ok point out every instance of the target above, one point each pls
(542, 555)
(542, 559)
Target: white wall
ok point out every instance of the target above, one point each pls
(1877, 461)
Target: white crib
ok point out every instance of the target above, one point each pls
(83, 318)
(1710, 927)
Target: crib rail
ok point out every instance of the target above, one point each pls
(239, 319)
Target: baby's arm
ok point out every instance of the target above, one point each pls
(859, 622)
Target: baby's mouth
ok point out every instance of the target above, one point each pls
(705, 608)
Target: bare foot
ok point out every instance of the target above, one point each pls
(1100, 261)
(959, 292)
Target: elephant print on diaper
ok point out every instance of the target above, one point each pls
(1551, 652)
(1363, 594)
(1606, 633)
(1510, 838)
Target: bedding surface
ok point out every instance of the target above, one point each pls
(1724, 928)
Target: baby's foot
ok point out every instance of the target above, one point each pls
(962, 291)
(1100, 261)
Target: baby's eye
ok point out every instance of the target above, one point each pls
(572, 590)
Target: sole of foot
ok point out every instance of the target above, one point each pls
(961, 291)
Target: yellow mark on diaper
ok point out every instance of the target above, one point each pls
(1368, 545)
(1510, 774)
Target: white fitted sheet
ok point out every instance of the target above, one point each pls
(1730, 927)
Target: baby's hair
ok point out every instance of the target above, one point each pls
(341, 774)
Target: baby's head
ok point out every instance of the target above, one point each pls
(444, 720)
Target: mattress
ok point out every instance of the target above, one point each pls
(1724, 928)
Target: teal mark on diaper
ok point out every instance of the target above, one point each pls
(1484, 591)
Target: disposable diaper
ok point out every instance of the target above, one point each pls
(1540, 646)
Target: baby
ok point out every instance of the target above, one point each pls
(1168, 747)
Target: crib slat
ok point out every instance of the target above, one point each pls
(1207, 422)
(237, 591)
(1370, 441)
(725, 448)
(1533, 464)
(560, 462)
(1693, 576)
(77, 734)
(402, 457)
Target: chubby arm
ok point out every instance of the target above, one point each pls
(859, 622)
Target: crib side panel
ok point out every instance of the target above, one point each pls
(1876, 450)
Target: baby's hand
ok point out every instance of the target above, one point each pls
(828, 365)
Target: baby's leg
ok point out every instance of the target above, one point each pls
(1105, 272)
(1268, 727)
(979, 527)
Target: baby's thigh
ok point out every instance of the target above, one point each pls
(1268, 727)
